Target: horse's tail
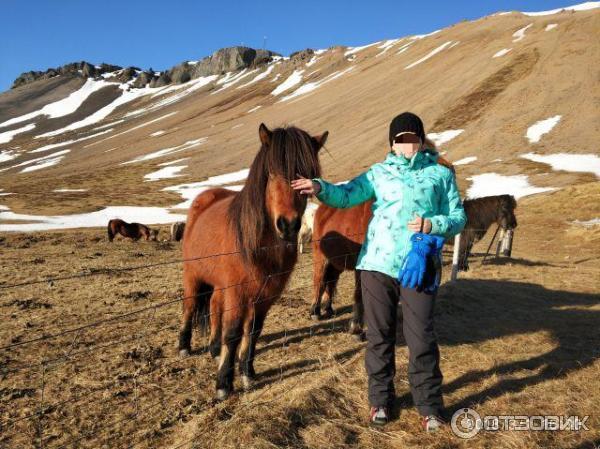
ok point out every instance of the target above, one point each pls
(201, 317)
(111, 234)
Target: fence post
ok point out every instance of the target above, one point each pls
(455, 255)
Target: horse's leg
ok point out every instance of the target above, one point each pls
(358, 309)
(231, 334)
(318, 284)
(216, 312)
(191, 291)
(252, 328)
(332, 276)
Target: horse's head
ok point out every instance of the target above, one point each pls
(288, 153)
(506, 212)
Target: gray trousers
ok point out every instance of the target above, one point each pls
(381, 294)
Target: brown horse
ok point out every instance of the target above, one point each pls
(482, 213)
(134, 231)
(339, 234)
(255, 231)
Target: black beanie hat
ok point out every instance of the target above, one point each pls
(407, 121)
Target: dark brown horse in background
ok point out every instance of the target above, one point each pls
(134, 231)
(482, 213)
(256, 232)
(339, 233)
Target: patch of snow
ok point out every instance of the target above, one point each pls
(581, 163)
(237, 126)
(65, 106)
(258, 77)
(157, 133)
(520, 34)
(276, 77)
(255, 108)
(320, 52)
(404, 47)
(550, 26)
(69, 190)
(579, 7)
(422, 36)
(538, 129)
(127, 96)
(309, 87)
(192, 62)
(190, 191)
(40, 160)
(48, 162)
(162, 117)
(429, 55)
(148, 215)
(354, 50)
(171, 171)
(465, 160)
(5, 194)
(108, 125)
(497, 160)
(69, 142)
(588, 223)
(168, 151)
(386, 46)
(7, 155)
(291, 81)
(454, 45)
(444, 136)
(488, 184)
(234, 80)
(164, 164)
(7, 136)
(501, 52)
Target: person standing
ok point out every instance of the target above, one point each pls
(416, 204)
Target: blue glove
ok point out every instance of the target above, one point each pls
(414, 267)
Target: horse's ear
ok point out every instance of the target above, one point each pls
(320, 140)
(265, 134)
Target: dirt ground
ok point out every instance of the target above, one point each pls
(91, 361)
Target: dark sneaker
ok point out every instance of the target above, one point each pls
(378, 416)
(432, 423)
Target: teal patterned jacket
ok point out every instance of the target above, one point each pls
(401, 188)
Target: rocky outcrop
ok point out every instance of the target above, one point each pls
(224, 60)
(231, 59)
(82, 68)
(302, 56)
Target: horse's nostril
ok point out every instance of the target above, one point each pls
(281, 224)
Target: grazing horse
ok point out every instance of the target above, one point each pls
(482, 213)
(306, 229)
(134, 231)
(240, 248)
(177, 231)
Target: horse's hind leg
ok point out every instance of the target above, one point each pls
(319, 263)
(358, 310)
(196, 298)
(216, 311)
(252, 328)
(331, 278)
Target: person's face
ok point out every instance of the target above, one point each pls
(407, 144)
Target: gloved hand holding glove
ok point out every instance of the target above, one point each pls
(412, 273)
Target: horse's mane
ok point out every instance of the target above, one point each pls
(291, 152)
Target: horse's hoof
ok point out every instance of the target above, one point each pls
(327, 314)
(247, 382)
(217, 359)
(222, 394)
(315, 317)
(184, 353)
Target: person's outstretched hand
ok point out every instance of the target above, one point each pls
(306, 186)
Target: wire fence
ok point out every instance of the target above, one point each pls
(29, 384)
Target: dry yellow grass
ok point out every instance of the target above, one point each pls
(517, 336)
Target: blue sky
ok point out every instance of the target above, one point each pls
(38, 34)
